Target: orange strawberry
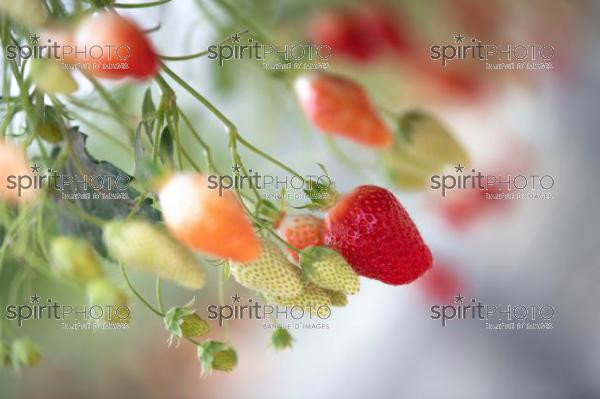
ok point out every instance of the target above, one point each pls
(13, 166)
(301, 231)
(206, 221)
(339, 106)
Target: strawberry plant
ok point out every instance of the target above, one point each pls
(165, 219)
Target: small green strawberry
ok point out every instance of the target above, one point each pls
(145, 247)
(52, 77)
(281, 339)
(215, 355)
(406, 171)
(328, 269)
(103, 293)
(271, 274)
(423, 146)
(24, 352)
(312, 299)
(50, 125)
(75, 259)
(430, 140)
(224, 360)
(184, 322)
(337, 298)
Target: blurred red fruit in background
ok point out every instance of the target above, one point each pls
(130, 53)
(360, 33)
(441, 283)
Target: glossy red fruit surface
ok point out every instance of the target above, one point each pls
(375, 234)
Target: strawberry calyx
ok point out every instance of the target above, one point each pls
(184, 322)
(216, 355)
(281, 339)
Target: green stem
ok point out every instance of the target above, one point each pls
(141, 5)
(263, 154)
(214, 110)
(222, 300)
(200, 53)
(112, 105)
(207, 152)
(159, 300)
(136, 293)
(73, 211)
(137, 205)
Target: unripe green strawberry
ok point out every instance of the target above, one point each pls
(312, 299)
(337, 298)
(52, 77)
(405, 171)
(75, 259)
(328, 269)
(184, 322)
(281, 339)
(111, 299)
(224, 360)
(143, 246)
(194, 326)
(429, 140)
(215, 355)
(271, 274)
(24, 352)
(422, 148)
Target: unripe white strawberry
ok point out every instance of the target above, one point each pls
(423, 146)
(75, 259)
(328, 269)
(337, 298)
(271, 274)
(143, 246)
(312, 299)
(111, 299)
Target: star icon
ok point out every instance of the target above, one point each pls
(35, 168)
(235, 298)
(459, 168)
(34, 39)
(459, 38)
(236, 169)
(236, 38)
(458, 298)
(35, 298)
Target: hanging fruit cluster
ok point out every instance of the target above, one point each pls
(177, 225)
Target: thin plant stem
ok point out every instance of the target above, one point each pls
(136, 293)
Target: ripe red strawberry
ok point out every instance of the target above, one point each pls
(117, 48)
(375, 234)
(301, 231)
(339, 106)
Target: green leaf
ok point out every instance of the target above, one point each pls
(80, 166)
(148, 112)
(166, 148)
